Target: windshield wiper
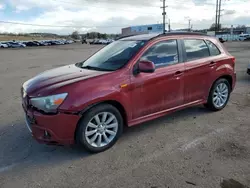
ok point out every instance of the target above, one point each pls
(95, 68)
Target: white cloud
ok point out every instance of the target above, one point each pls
(105, 13)
(2, 6)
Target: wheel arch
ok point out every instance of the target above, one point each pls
(228, 77)
(114, 103)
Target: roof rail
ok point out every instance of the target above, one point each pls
(182, 33)
(156, 35)
(121, 37)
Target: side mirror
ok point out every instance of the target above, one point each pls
(146, 67)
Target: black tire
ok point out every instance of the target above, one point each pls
(210, 105)
(87, 116)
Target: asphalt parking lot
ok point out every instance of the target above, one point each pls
(189, 148)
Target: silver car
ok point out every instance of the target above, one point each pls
(3, 45)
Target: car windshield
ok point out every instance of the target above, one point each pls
(113, 57)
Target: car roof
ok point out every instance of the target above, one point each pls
(146, 37)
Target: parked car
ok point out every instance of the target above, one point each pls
(3, 45)
(44, 43)
(52, 42)
(248, 69)
(70, 41)
(130, 81)
(98, 41)
(103, 41)
(95, 41)
(32, 43)
(39, 43)
(243, 37)
(110, 41)
(57, 42)
(16, 45)
(222, 40)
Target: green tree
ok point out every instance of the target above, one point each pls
(212, 27)
(75, 35)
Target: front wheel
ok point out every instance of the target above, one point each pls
(99, 128)
(219, 95)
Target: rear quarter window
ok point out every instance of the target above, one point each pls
(214, 50)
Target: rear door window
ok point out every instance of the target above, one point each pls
(196, 49)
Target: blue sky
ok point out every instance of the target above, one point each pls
(10, 13)
(111, 15)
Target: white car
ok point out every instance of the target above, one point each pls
(2, 45)
(243, 37)
(104, 41)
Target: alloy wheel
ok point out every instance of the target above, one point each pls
(101, 129)
(220, 95)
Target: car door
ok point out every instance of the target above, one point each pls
(198, 69)
(163, 89)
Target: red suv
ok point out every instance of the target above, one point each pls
(130, 81)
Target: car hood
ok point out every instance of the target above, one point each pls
(58, 77)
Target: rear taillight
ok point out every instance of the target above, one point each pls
(233, 59)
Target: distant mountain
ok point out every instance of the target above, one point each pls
(43, 34)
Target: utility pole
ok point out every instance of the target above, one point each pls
(189, 24)
(169, 26)
(216, 16)
(219, 15)
(164, 15)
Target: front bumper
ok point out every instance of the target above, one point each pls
(56, 129)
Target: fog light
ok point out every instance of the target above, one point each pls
(47, 135)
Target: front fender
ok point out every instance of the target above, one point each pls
(98, 95)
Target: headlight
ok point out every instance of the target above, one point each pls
(49, 103)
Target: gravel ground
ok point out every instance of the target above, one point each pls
(189, 148)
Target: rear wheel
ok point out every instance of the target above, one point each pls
(100, 128)
(219, 95)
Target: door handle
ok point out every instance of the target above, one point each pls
(212, 64)
(178, 73)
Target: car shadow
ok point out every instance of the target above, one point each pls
(17, 145)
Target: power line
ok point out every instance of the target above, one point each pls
(70, 26)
